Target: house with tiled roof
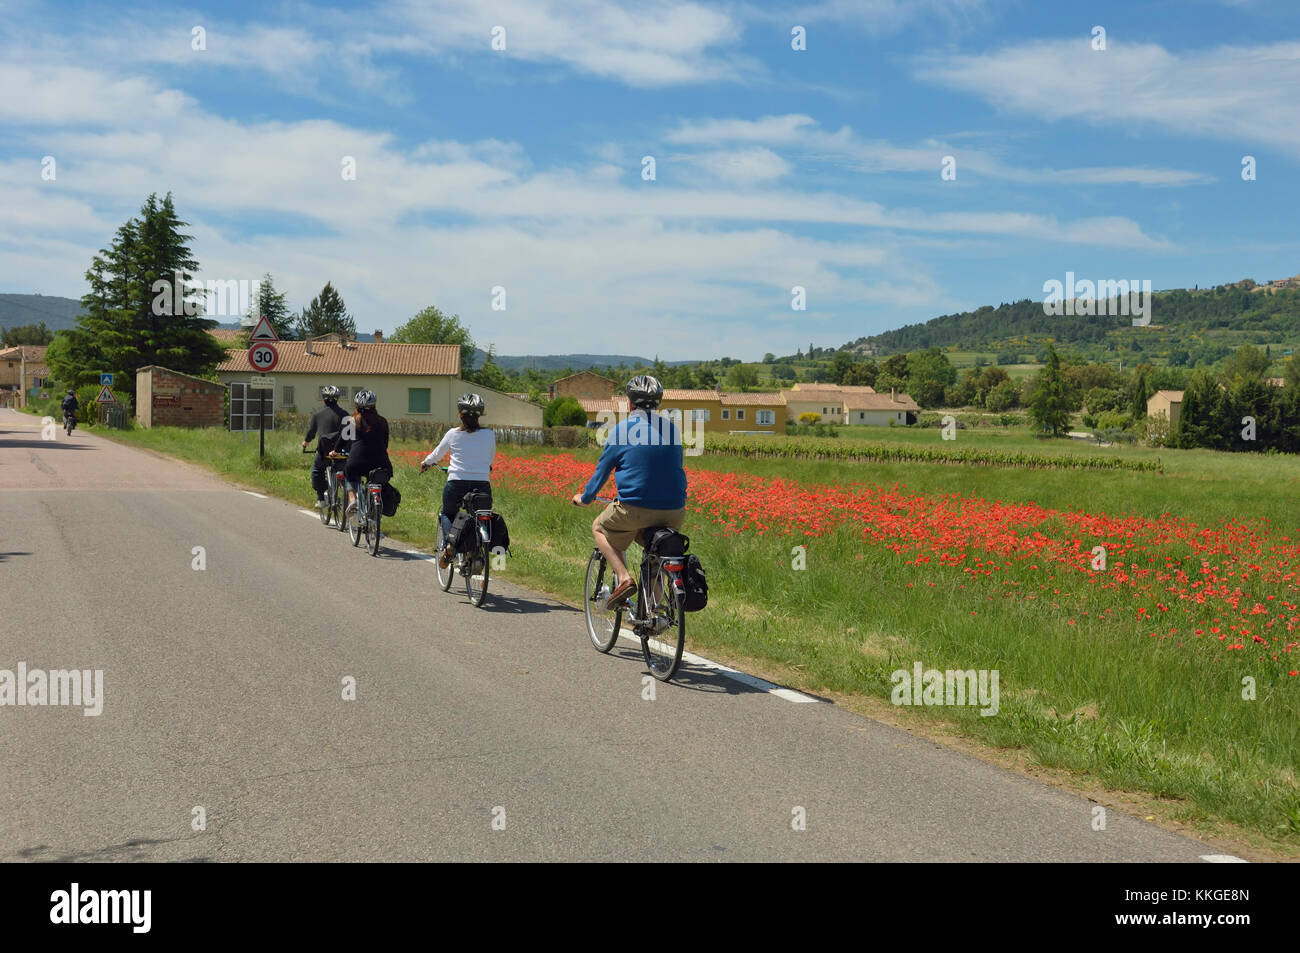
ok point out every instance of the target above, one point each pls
(716, 411)
(1167, 404)
(412, 381)
(23, 372)
(586, 384)
(849, 404)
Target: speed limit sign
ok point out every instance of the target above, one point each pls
(263, 356)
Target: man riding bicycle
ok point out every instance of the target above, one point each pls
(472, 449)
(70, 405)
(327, 425)
(645, 451)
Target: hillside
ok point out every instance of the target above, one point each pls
(58, 313)
(1185, 326)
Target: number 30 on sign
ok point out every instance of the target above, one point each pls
(263, 357)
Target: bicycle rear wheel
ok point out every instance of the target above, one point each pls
(327, 501)
(663, 645)
(602, 625)
(375, 508)
(477, 562)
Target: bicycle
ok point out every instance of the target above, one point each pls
(69, 422)
(336, 492)
(475, 565)
(660, 614)
(370, 508)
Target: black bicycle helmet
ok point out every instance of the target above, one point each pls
(329, 392)
(363, 399)
(471, 404)
(644, 391)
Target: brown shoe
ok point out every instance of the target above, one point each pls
(444, 560)
(622, 592)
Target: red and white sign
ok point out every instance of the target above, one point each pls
(263, 357)
(105, 396)
(262, 331)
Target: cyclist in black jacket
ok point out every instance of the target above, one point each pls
(326, 426)
(369, 450)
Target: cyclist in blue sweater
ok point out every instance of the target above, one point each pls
(646, 452)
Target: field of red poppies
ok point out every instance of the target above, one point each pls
(1233, 587)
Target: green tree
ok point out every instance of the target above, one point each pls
(327, 314)
(1049, 410)
(431, 326)
(139, 309)
(37, 334)
(1141, 392)
(769, 358)
(1002, 397)
(1246, 363)
(270, 304)
(861, 374)
(839, 366)
(742, 377)
(564, 412)
(490, 375)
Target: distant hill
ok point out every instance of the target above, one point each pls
(1205, 322)
(558, 362)
(59, 314)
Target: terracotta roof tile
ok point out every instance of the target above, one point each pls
(361, 357)
(753, 398)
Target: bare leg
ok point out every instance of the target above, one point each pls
(613, 556)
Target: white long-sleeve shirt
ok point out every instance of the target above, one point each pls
(471, 453)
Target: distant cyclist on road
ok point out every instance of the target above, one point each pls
(646, 453)
(326, 426)
(70, 407)
(472, 449)
(369, 450)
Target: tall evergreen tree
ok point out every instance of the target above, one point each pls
(1049, 408)
(270, 304)
(138, 310)
(327, 314)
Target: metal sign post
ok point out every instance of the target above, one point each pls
(262, 384)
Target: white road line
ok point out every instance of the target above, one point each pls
(1222, 859)
(258, 495)
(312, 513)
(753, 681)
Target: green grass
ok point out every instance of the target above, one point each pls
(1096, 702)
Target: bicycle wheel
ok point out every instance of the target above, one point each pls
(339, 495)
(444, 575)
(602, 625)
(357, 521)
(375, 507)
(663, 644)
(327, 501)
(477, 562)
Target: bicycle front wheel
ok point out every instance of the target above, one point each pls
(356, 522)
(326, 503)
(663, 643)
(339, 498)
(602, 625)
(477, 562)
(444, 575)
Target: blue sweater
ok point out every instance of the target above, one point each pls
(650, 474)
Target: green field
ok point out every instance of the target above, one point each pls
(1086, 695)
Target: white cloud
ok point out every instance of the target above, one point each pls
(1239, 94)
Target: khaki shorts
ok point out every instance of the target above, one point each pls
(622, 523)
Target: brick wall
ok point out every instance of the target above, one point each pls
(165, 398)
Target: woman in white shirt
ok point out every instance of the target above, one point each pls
(472, 449)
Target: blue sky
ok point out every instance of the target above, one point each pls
(522, 168)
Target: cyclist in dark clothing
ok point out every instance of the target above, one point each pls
(70, 407)
(369, 449)
(326, 426)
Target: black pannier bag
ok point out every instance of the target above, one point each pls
(667, 542)
(695, 585)
(464, 533)
(391, 498)
(477, 500)
(500, 534)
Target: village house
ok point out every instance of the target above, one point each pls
(23, 373)
(412, 381)
(855, 405)
(715, 411)
(1167, 404)
(584, 384)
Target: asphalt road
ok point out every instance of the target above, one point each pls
(222, 689)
